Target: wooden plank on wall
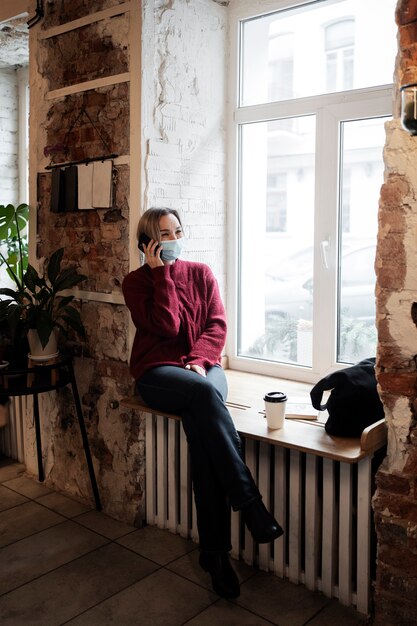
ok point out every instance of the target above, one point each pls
(85, 21)
(90, 84)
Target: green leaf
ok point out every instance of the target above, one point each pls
(67, 279)
(44, 292)
(30, 278)
(22, 216)
(77, 326)
(13, 220)
(13, 262)
(54, 265)
(13, 316)
(4, 304)
(4, 309)
(72, 317)
(64, 301)
(44, 326)
(10, 272)
(7, 223)
(73, 313)
(62, 329)
(5, 291)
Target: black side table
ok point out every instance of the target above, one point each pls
(42, 377)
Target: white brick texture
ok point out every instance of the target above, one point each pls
(8, 137)
(185, 103)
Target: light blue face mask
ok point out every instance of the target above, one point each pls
(172, 249)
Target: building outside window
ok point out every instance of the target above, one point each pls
(280, 66)
(309, 172)
(340, 42)
(276, 202)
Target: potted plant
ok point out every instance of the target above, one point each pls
(33, 306)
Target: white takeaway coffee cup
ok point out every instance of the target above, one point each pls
(275, 402)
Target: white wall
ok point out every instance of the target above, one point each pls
(9, 179)
(184, 99)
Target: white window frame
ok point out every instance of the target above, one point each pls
(330, 111)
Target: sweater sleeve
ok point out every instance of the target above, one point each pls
(152, 300)
(207, 348)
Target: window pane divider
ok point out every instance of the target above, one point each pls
(305, 106)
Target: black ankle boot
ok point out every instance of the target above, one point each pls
(261, 524)
(223, 577)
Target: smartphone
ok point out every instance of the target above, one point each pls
(144, 241)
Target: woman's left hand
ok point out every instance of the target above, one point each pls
(153, 254)
(196, 368)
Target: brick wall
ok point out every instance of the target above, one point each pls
(395, 501)
(97, 241)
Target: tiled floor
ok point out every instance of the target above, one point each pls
(63, 563)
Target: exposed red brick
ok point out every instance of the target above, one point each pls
(406, 12)
(409, 70)
(395, 501)
(414, 491)
(391, 275)
(392, 218)
(57, 13)
(392, 610)
(391, 531)
(390, 356)
(391, 248)
(102, 256)
(84, 55)
(407, 35)
(392, 580)
(395, 483)
(393, 191)
(402, 384)
(112, 369)
(411, 464)
(66, 126)
(402, 558)
(397, 506)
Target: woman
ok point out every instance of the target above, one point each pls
(180, 334)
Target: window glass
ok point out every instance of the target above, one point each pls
(362, 174)
(317, 48)
(276, 243)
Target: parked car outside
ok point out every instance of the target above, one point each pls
(289, 286)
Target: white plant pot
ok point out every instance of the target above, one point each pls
(36, 350)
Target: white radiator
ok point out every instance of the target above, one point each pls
(12, 435)
(324, 507)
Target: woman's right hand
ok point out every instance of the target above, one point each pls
(152, 258)
(197, 369)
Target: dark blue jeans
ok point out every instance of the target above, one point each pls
(218, 471)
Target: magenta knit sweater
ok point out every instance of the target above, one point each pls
(178, 314)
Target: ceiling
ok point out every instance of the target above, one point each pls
(14, 43)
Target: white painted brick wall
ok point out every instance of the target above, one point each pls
(9, 181)
(184, 106)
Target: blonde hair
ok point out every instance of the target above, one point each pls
(149, 222)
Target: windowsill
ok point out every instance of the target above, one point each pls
(246, 387)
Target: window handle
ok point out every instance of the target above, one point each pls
(324, 245)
